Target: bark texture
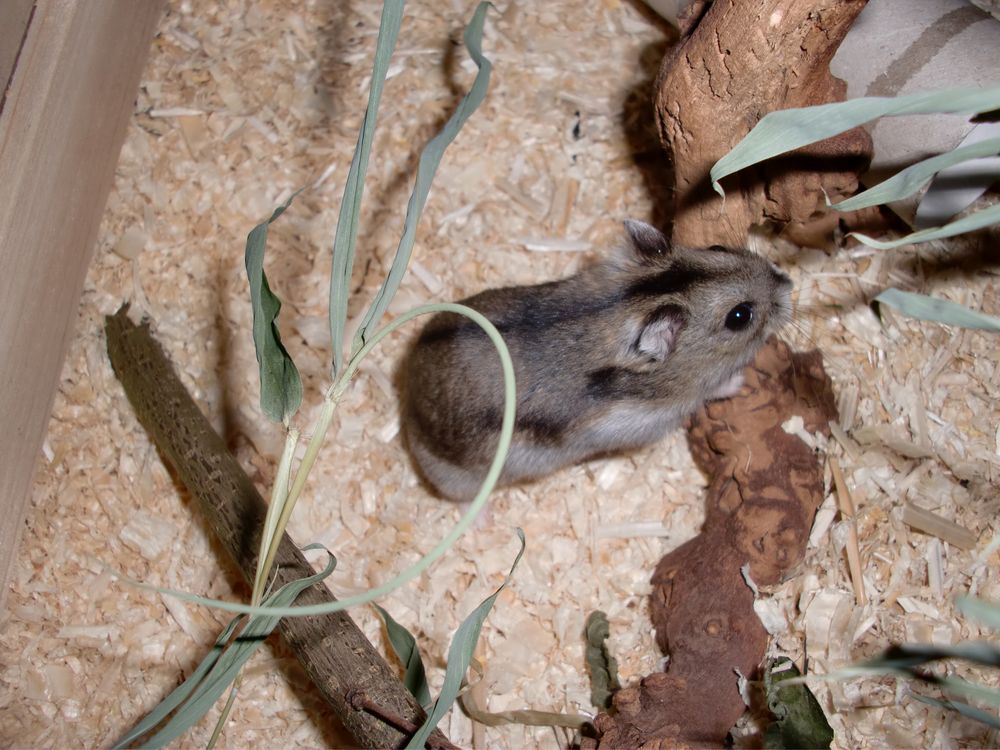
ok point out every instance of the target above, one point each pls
(737, 61)
(332, 649)
(766, 486)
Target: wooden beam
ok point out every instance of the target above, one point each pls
(16, 19)
(70, 93)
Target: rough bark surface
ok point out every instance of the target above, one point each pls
(736, 62)
(332, 649)
(766, 486)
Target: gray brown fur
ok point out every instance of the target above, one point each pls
(609, 359)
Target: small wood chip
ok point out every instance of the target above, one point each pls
(931, 523)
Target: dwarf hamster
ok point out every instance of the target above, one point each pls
(609, 359)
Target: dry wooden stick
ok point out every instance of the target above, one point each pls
(362, 702)
(333, 651)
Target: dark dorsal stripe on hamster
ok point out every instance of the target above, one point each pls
(724, 249)
(675, 280)
(618, 383)
(535, 315)
(601, 383)
(538, 313)
(542, 430)
(450, 446)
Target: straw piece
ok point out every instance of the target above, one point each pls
(847, 511)
(931, 523)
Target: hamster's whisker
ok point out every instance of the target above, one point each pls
(729, 234)
(810, 290)
(816, 311)
(803, 320)
(796, 333)
(834, 363)
(800, 318)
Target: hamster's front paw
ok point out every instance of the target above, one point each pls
(729, 388)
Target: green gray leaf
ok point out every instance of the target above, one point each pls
(404, 645)
(789, 129)
(986, 612)
(922, 307)
(908, 181)
(602, 665)
(799, 719)
(346, 236)
(199, 692)
(182, 691)
(280, 385)
(907, 660)
(430, 158)
(956, 685)
(969, 223)
(460, 656)
(910, 655)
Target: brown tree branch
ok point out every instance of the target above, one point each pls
(738, 61)
(332, 650)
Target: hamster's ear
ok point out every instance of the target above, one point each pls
(659, 331)
(647, 240)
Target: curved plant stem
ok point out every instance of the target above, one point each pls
(323, 423)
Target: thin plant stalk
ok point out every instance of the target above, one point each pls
(301, 475)
(477, 504)
(226, 710)
(279, 492)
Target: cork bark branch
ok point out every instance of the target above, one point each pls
(765, 486)
(331, 648)
(737, 61)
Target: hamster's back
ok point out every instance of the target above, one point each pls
(607, 359)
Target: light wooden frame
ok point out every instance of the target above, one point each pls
(71, 69)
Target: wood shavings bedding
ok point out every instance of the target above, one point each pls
(245, 101)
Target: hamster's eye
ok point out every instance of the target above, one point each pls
(739, 317)
(717, 249)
